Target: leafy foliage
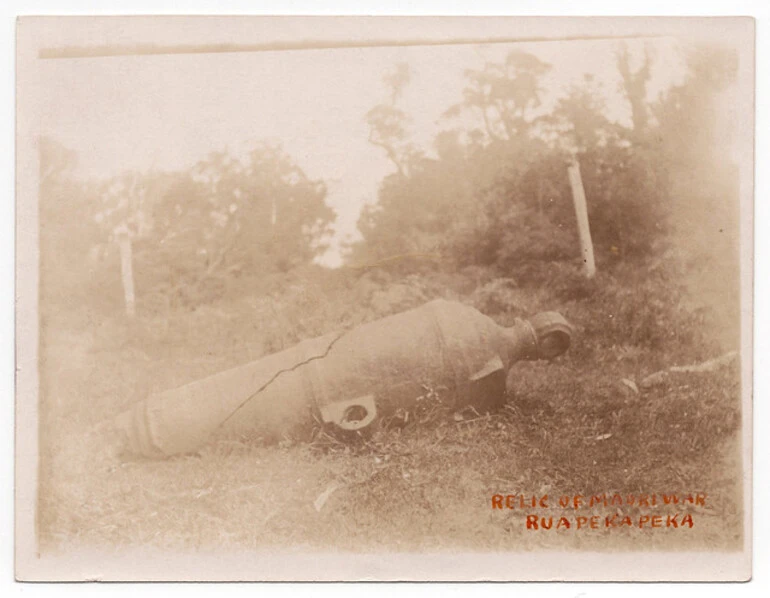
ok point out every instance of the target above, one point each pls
(498, 193)
(503, 94)
(194, 232)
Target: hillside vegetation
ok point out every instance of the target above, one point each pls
(223, 261)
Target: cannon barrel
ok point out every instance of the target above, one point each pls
(347, 379)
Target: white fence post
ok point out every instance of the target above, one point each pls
(127, 269)
(581, 211)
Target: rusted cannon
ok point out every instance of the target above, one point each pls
(348, 380)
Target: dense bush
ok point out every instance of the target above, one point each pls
(488, 215)
(193, 233)
(499, 195)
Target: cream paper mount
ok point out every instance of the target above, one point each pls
(396, 298)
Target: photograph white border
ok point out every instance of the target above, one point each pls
(26, 304)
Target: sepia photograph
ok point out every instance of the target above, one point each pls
(384, 298)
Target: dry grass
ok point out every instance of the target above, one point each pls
(569, 427)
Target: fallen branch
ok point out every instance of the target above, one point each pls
(706, 366)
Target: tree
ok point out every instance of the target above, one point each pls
(193, 233)
(68, 232)
(388, 123)
(435, 204)
(686, 114)
(634, 87)
(227, 218)
(500, 196)
(505, 95)
(578, 124)
(692, 136)
(56, 161)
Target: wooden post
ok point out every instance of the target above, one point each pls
(581, 211)
(127, 270)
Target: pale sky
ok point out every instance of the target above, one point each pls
(167, 112)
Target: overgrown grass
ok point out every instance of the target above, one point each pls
(573, 426)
